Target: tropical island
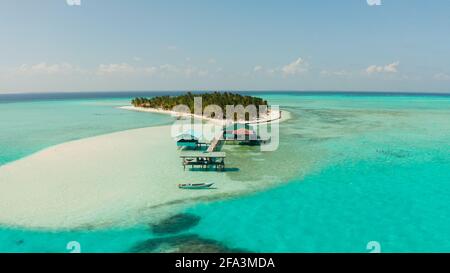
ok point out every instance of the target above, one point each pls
(166, 104)
(217, 98)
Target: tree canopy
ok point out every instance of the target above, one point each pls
(221, 99)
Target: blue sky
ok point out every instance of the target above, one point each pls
(108, 45)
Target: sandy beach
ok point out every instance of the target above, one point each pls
(99, 181)
(271, 116)
(115, 179)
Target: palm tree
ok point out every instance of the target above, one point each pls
(217, 98)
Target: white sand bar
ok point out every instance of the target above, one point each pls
(116, 179)
(106, 180)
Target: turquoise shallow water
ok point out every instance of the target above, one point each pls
(382, 174)
(340, 209)
(38, 241)
(29, 126)
(386, 179)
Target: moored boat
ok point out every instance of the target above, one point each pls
(195, 186)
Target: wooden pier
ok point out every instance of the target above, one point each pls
(204, 160)
(214, 143)
(212, 158)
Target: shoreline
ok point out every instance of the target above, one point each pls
(107, 180)
(272, 116)
(54, 189)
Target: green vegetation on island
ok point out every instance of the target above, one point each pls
(221, 99)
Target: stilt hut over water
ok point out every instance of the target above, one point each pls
(240, 132)
(188, 139)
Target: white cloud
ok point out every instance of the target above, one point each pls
(441, 77)
(374, 69)
(257, 68)
(389, 68)
(49, 69)
(124, 69)
(168, 69)
(172, 47)
(151, 70)
(164, 71)
(212, 61)
(374, 2)
(340, 73)
(203, 73)
(297, 67)
(105, 69)
(192, 71)
(137, 59)
(271, 71)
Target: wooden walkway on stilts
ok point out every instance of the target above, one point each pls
(214, 143)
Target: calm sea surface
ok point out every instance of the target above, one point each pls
(380, 172)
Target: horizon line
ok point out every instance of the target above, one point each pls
(228, 90)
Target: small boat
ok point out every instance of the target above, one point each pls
(195, 186)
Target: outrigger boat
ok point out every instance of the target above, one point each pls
(195, 186)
